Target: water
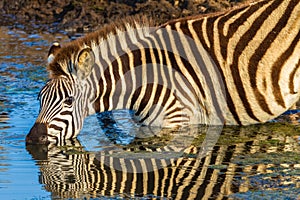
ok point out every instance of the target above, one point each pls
(22, 74)
(108, 162)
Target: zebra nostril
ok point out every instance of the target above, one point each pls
(43, 138)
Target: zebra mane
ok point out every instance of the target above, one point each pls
(60, 65)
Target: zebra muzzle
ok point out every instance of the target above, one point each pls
(37, 134)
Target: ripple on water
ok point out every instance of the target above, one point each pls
(22, 74)
(239, 157)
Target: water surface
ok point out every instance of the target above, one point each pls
(108, 162)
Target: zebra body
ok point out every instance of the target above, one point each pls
(236, 67)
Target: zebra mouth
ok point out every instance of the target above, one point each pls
(37, 134)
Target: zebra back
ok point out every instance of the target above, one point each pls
(256, 49)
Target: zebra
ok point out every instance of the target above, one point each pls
(236, 67)
(230, 168)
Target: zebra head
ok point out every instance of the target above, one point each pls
(63, 101)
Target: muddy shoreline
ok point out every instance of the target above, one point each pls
(75, 16)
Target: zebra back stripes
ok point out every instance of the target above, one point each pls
(256, 49)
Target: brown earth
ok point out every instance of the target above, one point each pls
(88, 15)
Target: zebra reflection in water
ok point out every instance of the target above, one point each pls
(239, 164)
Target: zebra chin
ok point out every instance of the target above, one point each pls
(37, 134)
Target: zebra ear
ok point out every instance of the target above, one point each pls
(85, 63)
(52, 51)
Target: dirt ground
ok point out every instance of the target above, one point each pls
(88, 15)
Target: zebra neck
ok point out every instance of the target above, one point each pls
(126, 83)
(120, 69)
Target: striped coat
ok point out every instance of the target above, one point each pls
(237, 67)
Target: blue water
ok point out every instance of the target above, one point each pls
(20, 58)
(23, 73)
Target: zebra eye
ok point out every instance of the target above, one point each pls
(69, 100)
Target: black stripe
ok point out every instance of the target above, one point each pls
(292, 77)
(100, 174)
(55, 127)
(223, 19)
(139, 176)
(94, 82)
(224, 43)
(89, 93)
(135, 96)
(145, 99)
(52, 95)
(233, 27)
(171, 105)
(66, 122)
(127, 78)
(62, 88)
(108, 173)
(162, 68)
(117, 77)
(136, 54)
(129, 176)
(240, 47)
(260, 52)
(104, 65)
(52, 109)
(197, 25)
(107, 77)
(73, 125)
(183, 57)
(167, 180)
(118, 174)
(139, 79)
(203, 68)
(209, 172)
(277, 67)
(157, 95)
(115, 74)
(179, 121)
(151, 178)
(66, 113)
(163, 104)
